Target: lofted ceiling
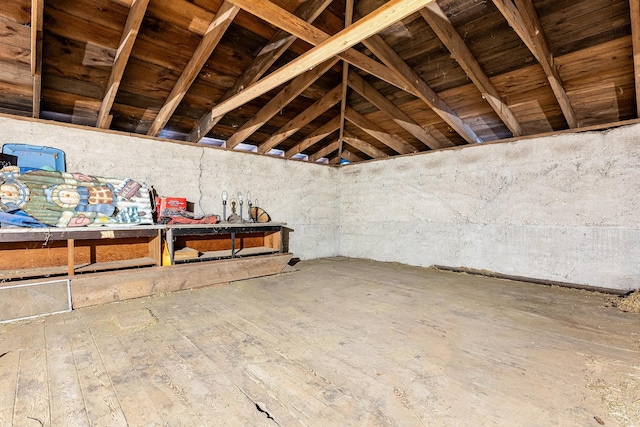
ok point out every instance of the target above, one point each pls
(321, 79)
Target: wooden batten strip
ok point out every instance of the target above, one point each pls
(390, 140)
(351, 157)
(314, 36)
(409, 77)
(131, 28)
(381, 102)
(381, 18)
(278, 102)
(325, 151)
(446, 32)
(348, 20)
(279, 43)
(634, 9)
(207, 45)
(37, 16)
(314, 111)
(524, 21)
(364, 146)
(315, 136)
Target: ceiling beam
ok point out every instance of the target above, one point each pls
(37, 16)
(315, 136)
(446, 32)
(314, 111)
(325, 151)
(409, 77)
(129, 35)
(348, 20)
(279, 43)
(207, 45)
(392, 141)
(278, 102)
(386, 15)
(524, 21)
(364, 146)
(314, 36)
(383, 104)
(634, 8)
(335, 160)
(352, 157)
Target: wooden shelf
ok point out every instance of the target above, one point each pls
(116, 265)
(224, 241)
(226, 254)
(112, 264)
(258, 250)
(44, 252)
(25, 273)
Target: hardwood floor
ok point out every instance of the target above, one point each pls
(338, 342)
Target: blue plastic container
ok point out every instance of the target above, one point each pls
(32, 157)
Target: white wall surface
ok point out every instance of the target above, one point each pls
(298, 193)
(563, 208)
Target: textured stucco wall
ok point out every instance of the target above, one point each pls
(298, 193)
(560, 208)
(563, 208)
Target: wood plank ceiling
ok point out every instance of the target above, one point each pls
(323, 79)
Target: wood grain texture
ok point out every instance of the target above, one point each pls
(339, 341)
(317, 135)
(634, 11)
(116, 286)
(391, 140)
(384, 16)
(291, 91)
(439, 22)
(131, 28)
(209, 42)
(332, 97)
(274, 49)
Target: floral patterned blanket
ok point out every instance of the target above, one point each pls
(61, 199)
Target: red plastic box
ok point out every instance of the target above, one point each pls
(170, 206)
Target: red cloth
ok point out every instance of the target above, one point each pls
(207, 219)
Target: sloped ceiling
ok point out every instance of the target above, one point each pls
(333, 80)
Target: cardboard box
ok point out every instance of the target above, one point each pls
(170, 206)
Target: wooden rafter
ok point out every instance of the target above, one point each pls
(381, 18)
(37, 16)
(279, 43)
(444, 29)
(325, 151)
(352, 157)
(314, 36)
(131, 28)
(207, 45)
(409, 77)
(315, 136)
(315, 110)
(364, 146)
(348, 20)
(522, 17)
(634, 8)
(390, 140)
(278, 102)
(383, 104)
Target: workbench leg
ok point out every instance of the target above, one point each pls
(71, 256)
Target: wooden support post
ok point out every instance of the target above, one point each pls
(71, 255)
(155, 248)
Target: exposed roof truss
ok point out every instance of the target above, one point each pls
(330, 79)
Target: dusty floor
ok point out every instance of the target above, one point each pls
(339, 342)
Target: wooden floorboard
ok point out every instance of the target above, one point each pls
(337, 342)
(67, 403)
